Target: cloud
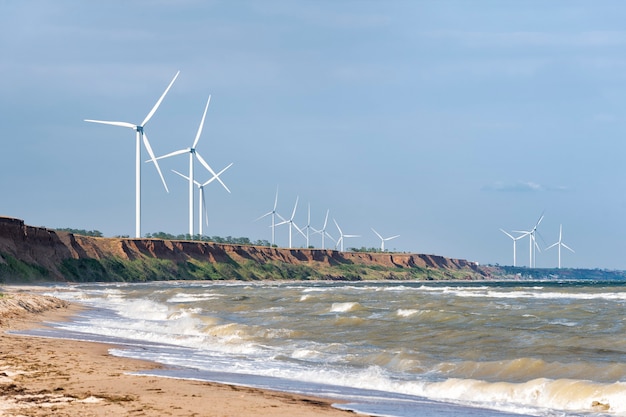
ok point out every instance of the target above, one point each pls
(521, 187)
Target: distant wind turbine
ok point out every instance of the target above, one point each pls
(383, 239)
(192, 152)
(533, 242)
(342, 236)
(308, 225)
(292, 223)
(560, 243)
(273, 213)
(515, 239)
(323, 231)
(141, 136)
(202, 209)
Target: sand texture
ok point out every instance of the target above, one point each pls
(53, 377)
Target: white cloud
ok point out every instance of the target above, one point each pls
(521, 187)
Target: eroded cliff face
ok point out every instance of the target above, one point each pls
(58, 254)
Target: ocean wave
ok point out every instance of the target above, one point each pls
(345, 307)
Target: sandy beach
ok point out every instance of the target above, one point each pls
(45, 377)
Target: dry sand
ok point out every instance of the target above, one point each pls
(54, 377)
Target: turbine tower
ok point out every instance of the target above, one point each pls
(341, 236)
(140, 136)
(202, 203)
(192, 152)
(560, 243)
(515, 239)
(383, 239)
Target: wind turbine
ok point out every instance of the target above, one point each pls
(274, 214)
(560, 243)
(308, 225)
(202, 203)
(141, 136)
(323, 231)
(533, 242)
(383, 239)
(291, 222)
(515, 239)
(192, 152)
(342, 236)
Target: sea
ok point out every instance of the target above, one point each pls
(400, 349)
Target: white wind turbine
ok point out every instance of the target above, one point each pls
(308, 225)
(202, 210)
(141, 136)
(341, 236)
(192, 152)
(533, 242)
(292, 223)
(323, 231)
(383, 239)
(515, 239)
(560, 243)
(273, 213)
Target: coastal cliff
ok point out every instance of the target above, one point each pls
(41, 254)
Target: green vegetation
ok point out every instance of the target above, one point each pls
(12, 269)
(215, 239)
(82, 232)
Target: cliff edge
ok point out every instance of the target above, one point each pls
(30, 253)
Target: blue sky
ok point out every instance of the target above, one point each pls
(441, 121)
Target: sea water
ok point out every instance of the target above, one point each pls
(387, 348)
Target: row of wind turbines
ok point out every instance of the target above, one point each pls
(533, 245)
(141, 136)
(339, 242)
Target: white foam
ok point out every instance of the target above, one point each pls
(344, 307)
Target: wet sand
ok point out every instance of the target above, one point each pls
(44, 377)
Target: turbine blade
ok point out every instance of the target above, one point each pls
(182, 175)
(206, 211)
(338, 228)
(195, 142)
(105, 122)
(276, 199)
(265, 215)
(293, 214)
(280, 217)
(203, 162)
(392, 237)
(377, 234)
(146, 143)
(551, 246)
(298, 229)
(330, 237)
(326, 219)
(217, 175)
(508, 234)
(180, 152)
(539, 221)
(158, 103)
(567, 247)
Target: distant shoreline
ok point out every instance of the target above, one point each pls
(35, 254)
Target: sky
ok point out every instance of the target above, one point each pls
(441, 121)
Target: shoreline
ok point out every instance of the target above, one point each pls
(43, 376)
